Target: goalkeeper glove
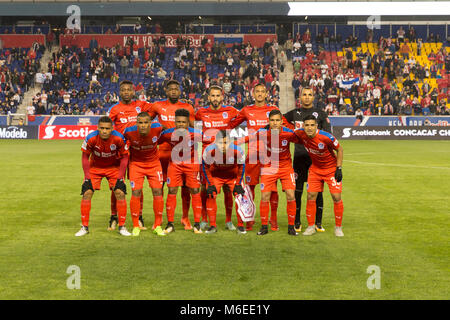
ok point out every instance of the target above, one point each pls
(121, 185)
(211, 191)
(338, 174)
(238, 190)
(87, 185)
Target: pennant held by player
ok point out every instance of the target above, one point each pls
(245, 205)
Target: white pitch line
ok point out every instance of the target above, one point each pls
(396, 165)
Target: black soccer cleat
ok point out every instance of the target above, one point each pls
(169, 228)
(241, 230)
(263, 230)
(113, 222)
(291, 230)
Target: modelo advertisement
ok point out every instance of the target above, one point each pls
(18, 132)
(65, 132)
(392, 133)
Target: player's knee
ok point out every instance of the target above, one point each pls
(87, 195)
(173, 190)
(157, 192)
(119, 194)
(265, 196)
(194, 190)
(312, 195)
(136, 193)
(290, 195)
(336, 197)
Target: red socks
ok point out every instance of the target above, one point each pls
(291, 208)
(85, 211)
(135, 206)
(273, 207)
(264, 211)
(197, 207)
(122, 211)
(211, 208)
(158, 208)
(186, 200)
(113, 204)
(142, 204)
(171, 204)
(311, 212)
(338, 212)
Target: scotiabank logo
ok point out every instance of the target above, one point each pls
(64, 132)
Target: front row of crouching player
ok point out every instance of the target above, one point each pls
(106, 153)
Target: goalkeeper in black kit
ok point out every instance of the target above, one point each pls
(302, 161)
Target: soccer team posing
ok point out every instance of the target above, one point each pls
(158, 141)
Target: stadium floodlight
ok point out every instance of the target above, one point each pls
(397, 8)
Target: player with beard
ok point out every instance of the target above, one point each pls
(214, 118)
(302, 160)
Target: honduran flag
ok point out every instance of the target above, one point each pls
(347, 84)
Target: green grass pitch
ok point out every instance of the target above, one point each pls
(396, 198)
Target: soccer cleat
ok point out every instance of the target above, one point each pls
(83, 231)
(338, 232)
(186, 223)
(250, 225)
(197, 228)
(274, 226)
(113, 222)
(169, 228)
(141, 223)
(319, 228)
(291, 231)
(136, 231)
(230, 226)
(203, 225)
(241, 230)
(123, 231)
(298, 227)
(309, 231)
(263, 230)
(211, 229)
(159, 231)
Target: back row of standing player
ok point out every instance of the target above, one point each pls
(216, 116)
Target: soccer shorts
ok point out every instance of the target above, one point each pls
(97, 174)
(138, 171)
(177, 174)
(220, 182)
(252, 173)
(316, 179)
(269, 178)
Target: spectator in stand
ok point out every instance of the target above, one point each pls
(124, 63)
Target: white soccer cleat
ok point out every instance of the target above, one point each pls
(338, 232)
(230, 226)
(124, 232)
(83, 231)
(309, 231)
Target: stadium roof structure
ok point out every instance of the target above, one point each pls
(223, 7)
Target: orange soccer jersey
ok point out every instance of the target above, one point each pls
(104, 156)
(144, 157)
(124, 115)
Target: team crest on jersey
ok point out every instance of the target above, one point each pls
(168, 180)
(248, 179)
(262, 186)
(113, 147)
(154, 139)
(315, 114)
(225, 115)
(267, 114)
(321, 145)
(284, 143)
(132, 184)
(298, 124)
(138, 109)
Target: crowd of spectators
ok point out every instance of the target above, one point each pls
(389, 82)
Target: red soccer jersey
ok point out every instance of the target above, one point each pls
(320, 149)
(214, 120)
(124, 115)
(166, 112)
(256, 117)
(143, 148)
(229, 165)
(105, 153)
(276, 152)
(181, 143)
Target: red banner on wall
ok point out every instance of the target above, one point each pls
(257, 40)
(21, 40)
(142, 40)
(65, 132)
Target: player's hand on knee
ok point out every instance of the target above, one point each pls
(211, 191)
(121, 186)
(238, 189)
(87, 185)
(338, 174)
